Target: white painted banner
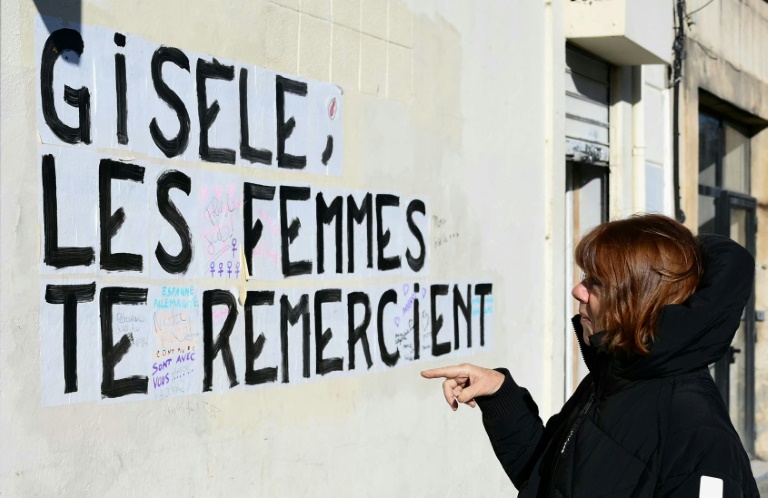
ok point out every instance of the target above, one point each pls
(163, 278)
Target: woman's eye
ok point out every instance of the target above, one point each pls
(589, 281)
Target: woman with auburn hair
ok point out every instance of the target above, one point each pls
(657, 306)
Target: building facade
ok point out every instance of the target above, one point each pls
(723, 180)
(233, 234)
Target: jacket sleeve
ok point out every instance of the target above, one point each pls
(701, 452)
(696, 485)
(705, 462)
(511, 420)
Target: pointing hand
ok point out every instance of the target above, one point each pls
(463, 383)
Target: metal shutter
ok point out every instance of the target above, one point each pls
(587, 105)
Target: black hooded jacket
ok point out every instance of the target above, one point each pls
(645, 426)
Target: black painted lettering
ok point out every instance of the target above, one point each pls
(358, 214)
(322, 338)
(285, 128)
(483, 290)
(216, 71)
(253, 231)
(438, 349)
(359, 333)
(288, 233)
(325, 215)
(290, 315)
(57, 43)
(169, 180)
(416, 328)
(175, 146)
(328, 152)
(121, 92)
(383, 237)
(465, 306)
(58, 257)
(389, 359)
(69, 296)
(253, 349)
(213, 298)
(416, 263)
(247, 152)
(112, 353)
(112, 222)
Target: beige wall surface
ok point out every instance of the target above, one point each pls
(443, 99)
(725, 57)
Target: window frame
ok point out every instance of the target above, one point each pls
(739, 127)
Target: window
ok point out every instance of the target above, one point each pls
(727, 208)
(723, 165)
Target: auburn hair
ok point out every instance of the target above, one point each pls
(636, 266)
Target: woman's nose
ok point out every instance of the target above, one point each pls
(580, 293)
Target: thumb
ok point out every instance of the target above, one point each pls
(468, 394)
(483, 383)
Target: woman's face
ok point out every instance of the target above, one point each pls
(589, 306)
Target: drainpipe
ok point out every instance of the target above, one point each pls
(638, 141)
(677, 72)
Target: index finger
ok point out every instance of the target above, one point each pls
(448, 372)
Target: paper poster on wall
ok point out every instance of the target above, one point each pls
(68, 210)
(126, 333)
(258, 117)
(224, 345)
(70, 342)
(262, 236)
(173, 221)
(123, 343)
(113, 216)
(61, 58)
(325, 128)
(120, 121)
(416, 251)
(358, 234)
(101, 88)
(219, 225)
(164, 253)
(124, 206)
(176, 352)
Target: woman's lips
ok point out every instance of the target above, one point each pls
(585, 319)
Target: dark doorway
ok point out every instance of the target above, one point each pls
(726, 208)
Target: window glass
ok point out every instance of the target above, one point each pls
(709, 149)
(588, 195)
(736, 161)
(706, 214)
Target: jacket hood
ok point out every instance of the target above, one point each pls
(698, 332)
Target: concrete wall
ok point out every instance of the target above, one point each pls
(725, 58)
(658, 133)
(445, 99)
(641, 169)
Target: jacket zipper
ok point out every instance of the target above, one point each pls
(576, 423)
(574, 428)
